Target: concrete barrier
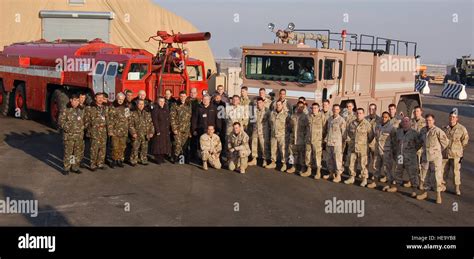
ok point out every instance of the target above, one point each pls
(454, 91)
(422, 86)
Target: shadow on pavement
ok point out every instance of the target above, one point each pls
(47, 215)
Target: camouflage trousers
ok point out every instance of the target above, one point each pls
(297, 153)
(314, 154)
(360, 157)
(98, 150)
(371, 157)
(408, 163)
(259, 143)
(213, 159)
(335, 159)
(118, 147)
(239, 159)
(73, 146)
(278, 144)
(432, 174)
(454, 165)
(139, 150)
(383, 164)
(181, 140)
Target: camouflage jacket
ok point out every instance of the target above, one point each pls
(96, 119)
(404, 143)
(359, 135)
(261, 123)
(395, 121)
(299, 129)
(238, 142)
(434, 142)
(211, 144)
(181, 117)
(374, 121)
(458, 139)
(315, 133)
(383, 133)
(140, 123)
(118, 120)
(336, 131)
(279, 123)
(237, 114)
(350, 117)
(418, 124)
(71, 121)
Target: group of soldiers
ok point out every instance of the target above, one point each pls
(240, 131)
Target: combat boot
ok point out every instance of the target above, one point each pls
(112, 164)
(66, 171)
(372, 185)
(252, 162)
(272, 165)
(422, 196)
(421, 187)
(383, 179)
(264, 164)
(120, 163)
(351, 180)
(326, 176)
(407, 184)
(438, 198)
(413, 192)
(392, 189)
(204, 166)
(291, 170)
(307, 172)
(283, 168)
(337, 178)
(458, 190)
(242, 171)
(364, 182)
(318, 174)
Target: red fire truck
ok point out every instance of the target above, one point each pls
(39, 76)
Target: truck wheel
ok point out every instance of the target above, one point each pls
(4, 101)
(411, 104)
(402, 107)
(19, 101)
(58, 102)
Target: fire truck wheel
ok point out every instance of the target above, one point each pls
(58, 102)
(19, 102)
(411, 104)
(4, 100)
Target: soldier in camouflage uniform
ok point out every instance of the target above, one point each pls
(395, 119)
(336, 135)
(262, 93)
(238, 149)
(359, 135)
(246, 103)
(374, 120)
(282, 98)
(314, 146)
(236, 113)
(417, 123)
(452, 157)
(260, 133)
(327, 113)
(118, 129)
(142, 130)
(383, 152)
(298, 131)
(71, 122)
(96, 119)
(82, 106)
(211, 148)
(181, 114)
(279, 123)
(405, 143)
(434, 142)
(349, 116)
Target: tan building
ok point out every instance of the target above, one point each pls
(126, 23)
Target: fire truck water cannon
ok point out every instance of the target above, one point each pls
(288, 36)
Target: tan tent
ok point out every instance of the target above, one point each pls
(130, 24)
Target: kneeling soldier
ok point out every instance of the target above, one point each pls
(72, 124)
(238, 148)
(211, 148)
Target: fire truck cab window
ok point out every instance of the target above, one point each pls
(99, 69)
(275, 68)
(194, 72)
(137, 71)
(328, 65)
(111, 70)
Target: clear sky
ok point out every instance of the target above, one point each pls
(443, 29)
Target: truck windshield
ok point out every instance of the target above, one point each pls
(194, 72)
(290, 69)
